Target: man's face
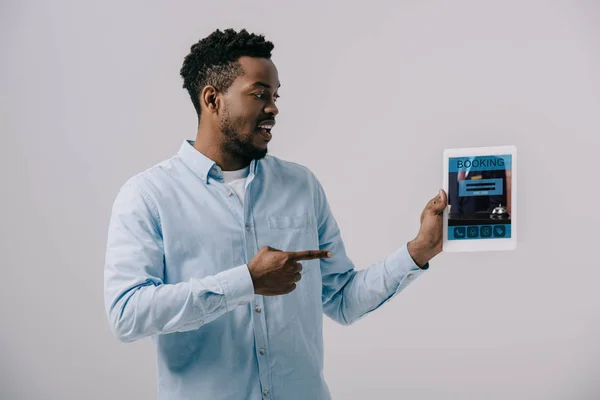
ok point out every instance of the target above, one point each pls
(249, 109)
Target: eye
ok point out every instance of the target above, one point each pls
(262, 96)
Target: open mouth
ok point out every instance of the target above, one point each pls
(264, 128)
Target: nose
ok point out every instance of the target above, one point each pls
(271, 108)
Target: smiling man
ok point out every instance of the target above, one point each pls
(227, 258)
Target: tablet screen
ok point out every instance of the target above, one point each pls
(479, 197)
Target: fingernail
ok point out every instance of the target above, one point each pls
(328, 254)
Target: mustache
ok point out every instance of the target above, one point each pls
(269, 118)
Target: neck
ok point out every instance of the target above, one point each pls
(207, 144)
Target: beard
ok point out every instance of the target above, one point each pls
(236, 143)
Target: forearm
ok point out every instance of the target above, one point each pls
(348, 294)
(368, 289)
(154, 308)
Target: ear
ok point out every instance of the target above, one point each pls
(209, 99)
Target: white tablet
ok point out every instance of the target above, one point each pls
(481, 184)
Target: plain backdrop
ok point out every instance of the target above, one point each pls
(372, 93)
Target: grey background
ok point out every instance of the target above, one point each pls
(372, 93)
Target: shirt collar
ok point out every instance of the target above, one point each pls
(203, 166)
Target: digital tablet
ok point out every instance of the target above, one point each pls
(481, 184)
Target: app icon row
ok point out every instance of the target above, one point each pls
(484, 231)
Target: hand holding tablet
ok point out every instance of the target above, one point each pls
(482, 199)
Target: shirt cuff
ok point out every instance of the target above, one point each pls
(237, 285)
(400, 264)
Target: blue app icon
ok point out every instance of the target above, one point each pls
(499, 231)
(459, 232)
(486, 231)
(473, 231)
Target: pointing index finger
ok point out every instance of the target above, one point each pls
(308, 255)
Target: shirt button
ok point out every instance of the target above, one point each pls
(247, 227)
(409, 276)
(257, 308)
(266, 392)
(201, 322)
(262, 351)
(228, 193)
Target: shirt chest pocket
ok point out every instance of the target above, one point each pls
(291, 233)
(294, 233)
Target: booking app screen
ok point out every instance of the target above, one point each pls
(479, 197)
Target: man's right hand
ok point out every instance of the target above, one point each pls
(276, 272)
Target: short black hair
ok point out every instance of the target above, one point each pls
(214, 60)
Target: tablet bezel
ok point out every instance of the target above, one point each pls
(500, 244)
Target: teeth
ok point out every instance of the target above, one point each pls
(266, 125)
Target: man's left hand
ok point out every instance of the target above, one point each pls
(428, 242)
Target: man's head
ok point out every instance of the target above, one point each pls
(233, 85)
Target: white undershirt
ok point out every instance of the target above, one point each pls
(237, 181)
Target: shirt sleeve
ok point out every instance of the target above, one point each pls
(138, 302)
(348, 294)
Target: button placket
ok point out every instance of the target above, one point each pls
(258, 318)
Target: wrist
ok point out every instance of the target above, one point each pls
(420, 253)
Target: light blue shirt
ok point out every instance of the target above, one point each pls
(176, 271)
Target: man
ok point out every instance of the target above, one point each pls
(228, 257)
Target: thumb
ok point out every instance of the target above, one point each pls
(439, 202)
